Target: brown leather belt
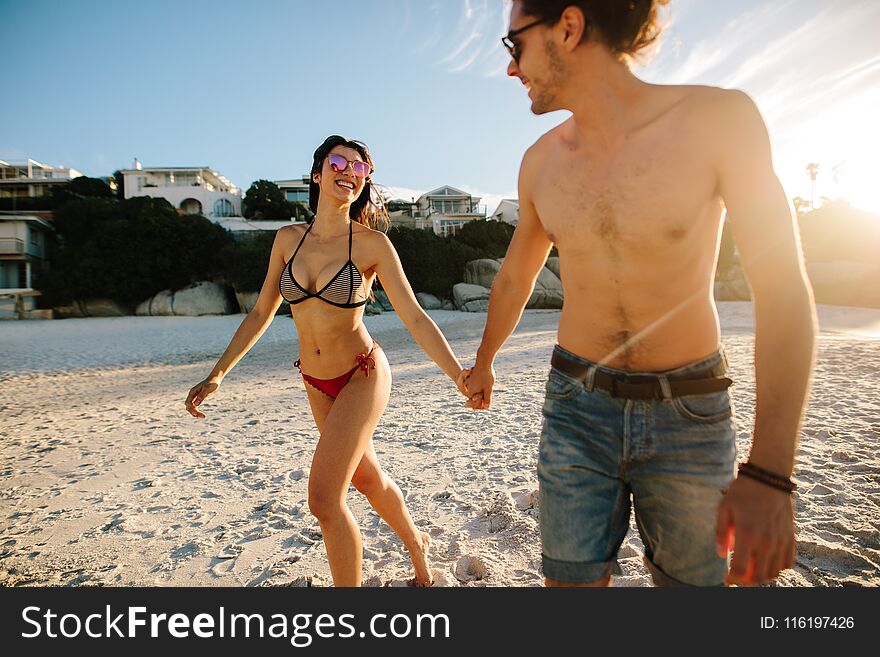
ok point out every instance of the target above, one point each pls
(643, 386)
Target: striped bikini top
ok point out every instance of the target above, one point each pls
(344, 290)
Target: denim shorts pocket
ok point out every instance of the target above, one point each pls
(560, 386)
(705, 408)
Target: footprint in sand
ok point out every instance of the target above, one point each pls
(469, 568)
(821, 491)
(525, 500)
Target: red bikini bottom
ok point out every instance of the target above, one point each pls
(332, 387)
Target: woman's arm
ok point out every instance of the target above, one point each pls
(261, 315)
(416, 320)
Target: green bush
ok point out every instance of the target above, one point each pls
(246, 260)
(432, 264)
(839, 231)
(129, 250)
(490, 237)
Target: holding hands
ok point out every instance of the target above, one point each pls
(476, 384)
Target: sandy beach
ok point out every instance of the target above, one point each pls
(106, 480)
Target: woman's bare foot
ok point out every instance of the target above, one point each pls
(419, 555)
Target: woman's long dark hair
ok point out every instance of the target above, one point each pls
(365, 209)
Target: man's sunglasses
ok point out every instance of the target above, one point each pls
(511, 45)
(359, 168)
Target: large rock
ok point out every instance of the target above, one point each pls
(447, 305)
(203, 298)
(547, 292)
(476, 306)
(42, 313)
(844, 283)
(246, 300)
(101, 308)
(373, 309)
(382, 300)
(553, 265)
(470, 298)
(428, 301)
(158, 304)
(732, 290)
(548, 287)
(481, 272)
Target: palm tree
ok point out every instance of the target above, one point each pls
(813, 171)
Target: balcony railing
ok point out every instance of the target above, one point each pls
(470, 212)
(11, 246)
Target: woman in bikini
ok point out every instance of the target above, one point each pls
(347, 376)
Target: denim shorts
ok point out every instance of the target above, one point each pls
(671, 459)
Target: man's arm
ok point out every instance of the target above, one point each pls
(785, 327)
(512, 286)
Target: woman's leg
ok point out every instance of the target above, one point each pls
(346, 430)
(385, 497)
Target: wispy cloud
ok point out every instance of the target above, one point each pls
(472, 45)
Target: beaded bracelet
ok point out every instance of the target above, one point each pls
(766, 477)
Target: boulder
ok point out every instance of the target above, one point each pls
(158, 304)
(447, 305)
(481, 272)
(42, 313)
(843, 283)
(476, 306)
(202, 298)
(553, 265)
(382, 300)
(428, 301)
(548, 287)
(732, 290)
(547, 292)
(101, 308)
(246, 300)
(373, 309)
(467, 297)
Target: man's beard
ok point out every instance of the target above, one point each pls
(546, 90)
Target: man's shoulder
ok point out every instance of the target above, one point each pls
(713, 104)
(542, 147)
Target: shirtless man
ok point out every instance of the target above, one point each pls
(632, 189)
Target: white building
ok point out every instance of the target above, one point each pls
(444, 210)
(192, 190)
(296, 190)
(23, 241)
(31, 179)
(507, 210)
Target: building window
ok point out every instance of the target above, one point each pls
(223, 208)
(297, 195)
(191, 206)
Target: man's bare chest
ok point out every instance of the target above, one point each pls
(650, 196)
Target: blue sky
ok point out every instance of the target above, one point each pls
(251, 88)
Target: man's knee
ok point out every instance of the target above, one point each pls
(599, 583)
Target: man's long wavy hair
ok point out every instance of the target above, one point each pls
(368, 208)
(627, 27)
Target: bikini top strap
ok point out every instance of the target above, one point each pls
(302, 240)
(349, 238)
